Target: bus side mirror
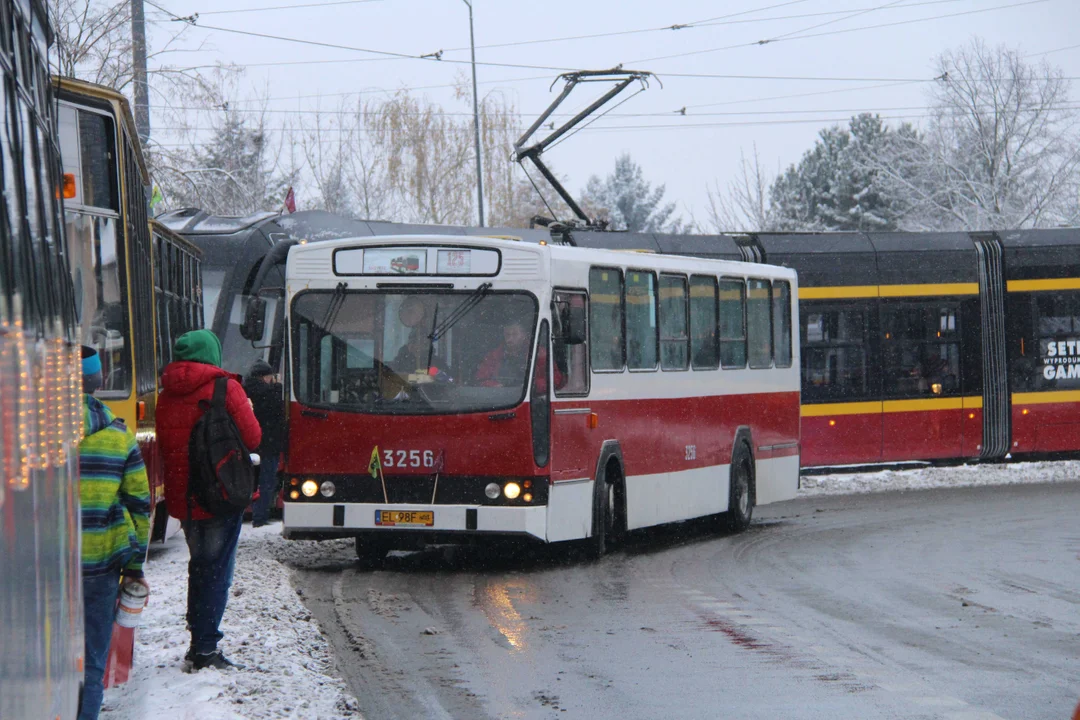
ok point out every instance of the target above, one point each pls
(254, 319)
(573, 325)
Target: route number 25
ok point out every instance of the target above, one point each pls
(408, 458)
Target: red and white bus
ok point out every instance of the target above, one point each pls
(554, 393)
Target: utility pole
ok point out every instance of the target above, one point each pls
(476, 118)
(142, 91)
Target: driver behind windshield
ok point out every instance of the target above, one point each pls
(413, 355)
(504, 366)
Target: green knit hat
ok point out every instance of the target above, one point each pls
(198, 346)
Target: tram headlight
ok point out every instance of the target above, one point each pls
(309, 488)
(492, 490)
(511, 490)
(327, 489)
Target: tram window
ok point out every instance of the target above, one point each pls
(834, 364)
(759, 323)
(921, 350)
(641, 335)
(704, 350)
(100, 294)
(605, 319)
(674, 341)
(1058, 323)
(9, 264)
(732, 324)
(98, 158)
(781, 298)
(571, 370)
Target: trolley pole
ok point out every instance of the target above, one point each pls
(138, 51)
(476, 119)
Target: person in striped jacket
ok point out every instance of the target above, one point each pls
(115, 498)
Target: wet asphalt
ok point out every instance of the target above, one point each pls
(939, 604)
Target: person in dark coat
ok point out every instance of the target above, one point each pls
(268, 402)
(211, 540)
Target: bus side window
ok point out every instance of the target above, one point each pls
(571, 366)
(606, 319)
(732, 324)
(781, 301)
(704, 350)
(641, 335)
(674, 341)
(759, 323)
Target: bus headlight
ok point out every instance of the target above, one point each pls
(309, 488)
(511, 490)
(492, 490)
(328, 489)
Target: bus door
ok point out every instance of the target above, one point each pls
(571, 453)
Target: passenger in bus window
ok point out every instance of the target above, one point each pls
(114, 495)
(504, 366)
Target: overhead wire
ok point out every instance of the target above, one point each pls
(287, 7)
(766, 41)
(708, 22)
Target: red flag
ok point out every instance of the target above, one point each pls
(290, 201)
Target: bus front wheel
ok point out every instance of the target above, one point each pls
(606, 517)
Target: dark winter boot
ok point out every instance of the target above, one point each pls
(214, 660)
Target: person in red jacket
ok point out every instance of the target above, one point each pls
(211, 539)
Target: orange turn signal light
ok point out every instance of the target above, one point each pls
(140, 410)
(594, 421)
(68, 185)
(832, 423)
(1024, 411)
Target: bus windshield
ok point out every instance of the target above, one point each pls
(429, 352)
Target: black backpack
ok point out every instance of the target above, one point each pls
(221, 477)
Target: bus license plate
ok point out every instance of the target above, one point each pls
(405, 518)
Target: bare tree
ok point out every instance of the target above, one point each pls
(1000, 151)
(427, 159)
(237, 170)
(744, 205)
(93, 43)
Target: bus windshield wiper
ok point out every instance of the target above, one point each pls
(437, 331)
(337, 301)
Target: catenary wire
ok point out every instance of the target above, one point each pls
(837, 32)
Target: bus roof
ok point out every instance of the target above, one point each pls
(622, 258)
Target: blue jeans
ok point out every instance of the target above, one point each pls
(212, 547)
(260, 513)
(99, 610)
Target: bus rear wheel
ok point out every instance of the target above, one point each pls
(741, 494)
(370, 551)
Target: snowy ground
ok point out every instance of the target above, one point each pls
(920, 478)
(290, 669)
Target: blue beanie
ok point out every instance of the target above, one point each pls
(91, 369)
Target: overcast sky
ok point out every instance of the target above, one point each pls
(848, 67)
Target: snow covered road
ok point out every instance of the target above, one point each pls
(291, 670)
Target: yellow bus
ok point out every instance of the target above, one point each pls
(137, 285)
